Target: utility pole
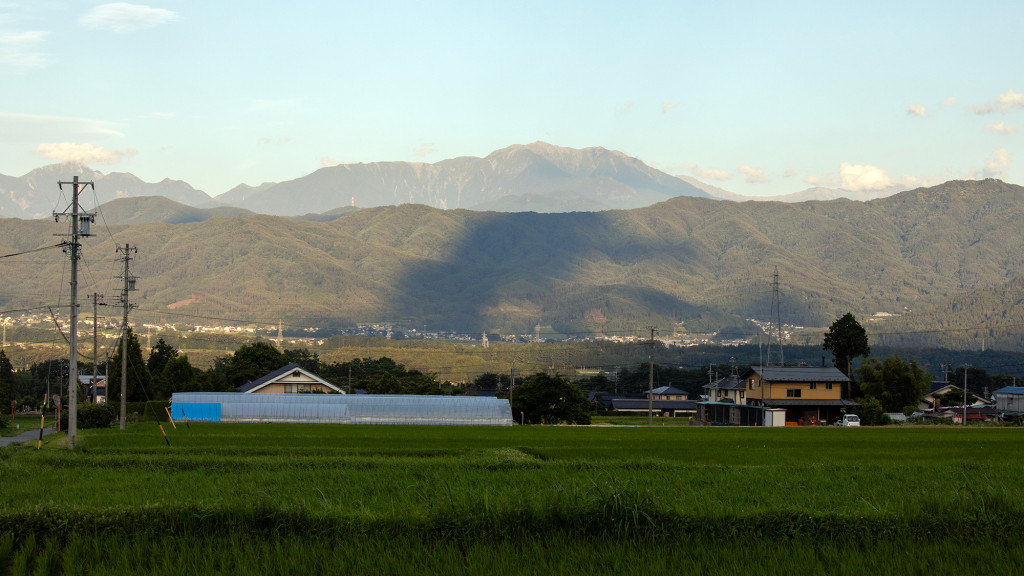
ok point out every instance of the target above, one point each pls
(966, 366)
(511, 382)
(129, 286)
(95, 342)
(80, 222)
(650, 382)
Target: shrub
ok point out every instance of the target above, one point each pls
(90, 416)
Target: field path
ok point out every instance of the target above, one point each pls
(28, 436)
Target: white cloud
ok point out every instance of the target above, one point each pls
(710, 173)
(1001, 127)
(425, 150)
(820, 180)
(124, 17)
(1003, 103)
(85, 154)
(917, 110)
(790, 173)
(20, 49)
(949, 101)
(754, 175)
(859, 177)
(997, 165)
(623, 109)
(666, 105)
(326, 162)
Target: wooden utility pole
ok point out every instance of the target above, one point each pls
(650, 383)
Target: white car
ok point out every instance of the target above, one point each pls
(849, 420)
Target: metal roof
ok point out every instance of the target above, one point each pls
(282, 372)
(342, 408)
(1010, 390)
(794, 402)
(641, 404)
(727, 383)
(799, 373)
(669, 390)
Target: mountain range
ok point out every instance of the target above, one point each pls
(538, 177)
(943, 263)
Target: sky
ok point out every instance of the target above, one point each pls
(758, 98)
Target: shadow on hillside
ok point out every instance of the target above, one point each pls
(514, 271)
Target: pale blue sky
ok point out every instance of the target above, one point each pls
(758, 98)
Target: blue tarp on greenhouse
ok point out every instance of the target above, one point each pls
(341, 408)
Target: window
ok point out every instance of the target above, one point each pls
(814, 386)
(828, 386)
(741, 394)
(792, 393)
(750, 384)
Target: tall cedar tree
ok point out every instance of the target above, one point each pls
(138, 384)
(846, 339)
(6, 381)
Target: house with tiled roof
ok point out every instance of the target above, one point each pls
(809, 394)
(729, 389)
(289, 379)
(668, 393)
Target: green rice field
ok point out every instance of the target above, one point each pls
(265, 499)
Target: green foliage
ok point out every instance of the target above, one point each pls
(138, 381)
(91, 416)
(253, 361)
(6, 381)
(846, 339)
(894, 382)
(159, 355)
(178, 375)
(872, 413)
(545, 399)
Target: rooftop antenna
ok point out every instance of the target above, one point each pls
(80, 222)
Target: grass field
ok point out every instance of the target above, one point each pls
(236, 498)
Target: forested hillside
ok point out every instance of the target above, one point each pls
(940, 260)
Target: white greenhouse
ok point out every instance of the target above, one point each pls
(341, 409)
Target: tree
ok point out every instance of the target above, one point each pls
(159, 355)
(178, 375)
(137, 386)
(253, 361)
(893, 382)
(550, 400)
(846, 339)
(6, 381)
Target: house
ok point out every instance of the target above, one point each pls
(979, 414)
(667, 408)
(809, 394)
(289, 379)
(1010, 399)
(96, 391)
(933, 398)
(668, 393)
(729, 389)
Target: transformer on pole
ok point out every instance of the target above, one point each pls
(80, 226)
